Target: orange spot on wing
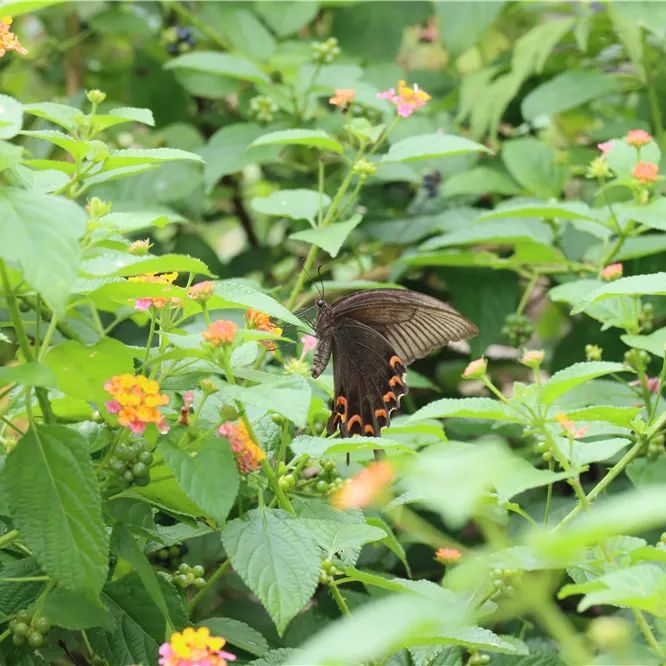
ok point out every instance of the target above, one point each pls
(389, 396)
(381, 412)
(353, 420)
(342, 402)
(394, 360)
(395, 380)
(369, 429)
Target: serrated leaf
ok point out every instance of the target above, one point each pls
(48, 227)
(566, 210)
(121, 264)
(334, 536)
(276, 556)
(578, 373)
(636, 285)
(533, 164)
(76, 611)
(431, 146)
(618, 415)
(147, 156)
(224, 64)
(59, 114)
(654, 342)
(11, 117)
(301, 137)
(317, 447)
(521, 476)
(81, 370)
(77, 148)
(469, 408)
(206, 472)
(329, 238)
(237, 633)
(57, 507)
(295, 204)
(32, 374)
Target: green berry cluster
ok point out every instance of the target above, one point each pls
(286, 479)
(328, 479)
(168, 557)
(593, 353)
(655, 447)
(130, 463)
(186, 575)
(28, 629)
(324, 53)
(517, 329)
(662, 541)
(503, 581)
(646, 317)
(637, 359)
(478, 659)
(263, 108)
(328, 572)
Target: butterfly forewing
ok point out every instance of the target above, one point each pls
(414, 324)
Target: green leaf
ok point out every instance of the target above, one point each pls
(565, 91)
(18, 7)
(318, 447)
(644, 472)
(295, 204)
(391, 541)
(566, 210)
(469, 408)
(652, 214)
(242, 294)
(122, 115)
(73, 610)
(237, 633)
(431, 146)
(287, 17)
(11, 117)
(45, 226)
(57, 508)
(480, 180)
(59, 114)
(80, 370)
(277, 657)
(224, 64)
(621, 416)
(32, 374)
(123, 264)
(584, 453)
(464, 25)
(299, 137)
(77, 148)
(521, 476)
(11, 156)
(146, 156)
(578, 373)
(276, 556)
(206, 472)
(629, 512)
(532, 163)
(334, 536)
(636, 285)
(329, 238)
(622, 157)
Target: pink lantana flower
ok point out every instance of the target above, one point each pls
(611, 272)
(475, 369)
(606, 146)
(406, 99)
(309, 343)
(638, 138)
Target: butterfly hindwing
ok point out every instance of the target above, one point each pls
(368, 380)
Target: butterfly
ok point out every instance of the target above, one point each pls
(373, 336)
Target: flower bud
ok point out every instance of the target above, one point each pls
(476, 369)
(208, 387)
(593, 353)
(139, 247)
(598, 168)
(532, 358)
(95, 96)
(611, 272)
(97, 208)
(364, 168)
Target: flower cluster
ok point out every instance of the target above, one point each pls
(247, 453)
(201, 292)
(611, 272)
(136, 400)
(447, 555)
(139, 247)
(406, 99)
(8, 40)
(475, 369)
(194, 647)
(569, 427)
(261, 322)
(154, 301)
(645, 172)
(343, 97)
(638, 138)
(220, 332)
(364, 488)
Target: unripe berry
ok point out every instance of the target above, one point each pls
(21, 629)
(199, 582)
(145, 457)
(43, 625)
(198, 570)
(184, 568)
(35, 639)
(139, 469)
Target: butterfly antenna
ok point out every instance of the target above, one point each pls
(321, 282)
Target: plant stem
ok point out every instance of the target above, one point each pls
(558, 626)
(339, 599)
(526, 294)
(655, 110)
(612, 474)
(215, 576)
(44, 348)
(408, 521)
(647, 632)
(8, 538)
(283, 500)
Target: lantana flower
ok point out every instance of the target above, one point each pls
(475, 369)
(606, 146)
(139, 247)
(248, 454)
(155, 301)
(447, 555)
(220, 332)
(532, 358)
(645, 172)
(343, 97)
(653, 385)
(194, 647)
(569, 427)
(611, 272)
(638, 138)
(364, 488)
(136, 400)
(201, 292)
(8, 40)
(261, 322)
(406, 99)
(309, 342)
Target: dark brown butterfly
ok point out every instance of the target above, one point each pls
(373, 335)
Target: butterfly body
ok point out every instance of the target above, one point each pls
(373, 335)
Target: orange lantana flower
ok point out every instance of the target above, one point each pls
(8, 40)
(136, 400)
(154, 301)
(343, 97)
(261, 322)
(364, 488)
(220, 332)
(248, 454)
(194, 647)
(645, 172)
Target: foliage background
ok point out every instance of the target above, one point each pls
(516, 239)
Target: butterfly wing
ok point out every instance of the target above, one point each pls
(368, 379)
(413, 324)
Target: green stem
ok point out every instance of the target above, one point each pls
(339, 599)
(214, 577)
(44, 347)
(282, 499)
(408, 521)
(647, 632)
(612, 474)
(8, 538)
(7, 422)
(549, 497)
(24, 343)
(149, 342)
(526, 294)
(558, 626)
(655, 108)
